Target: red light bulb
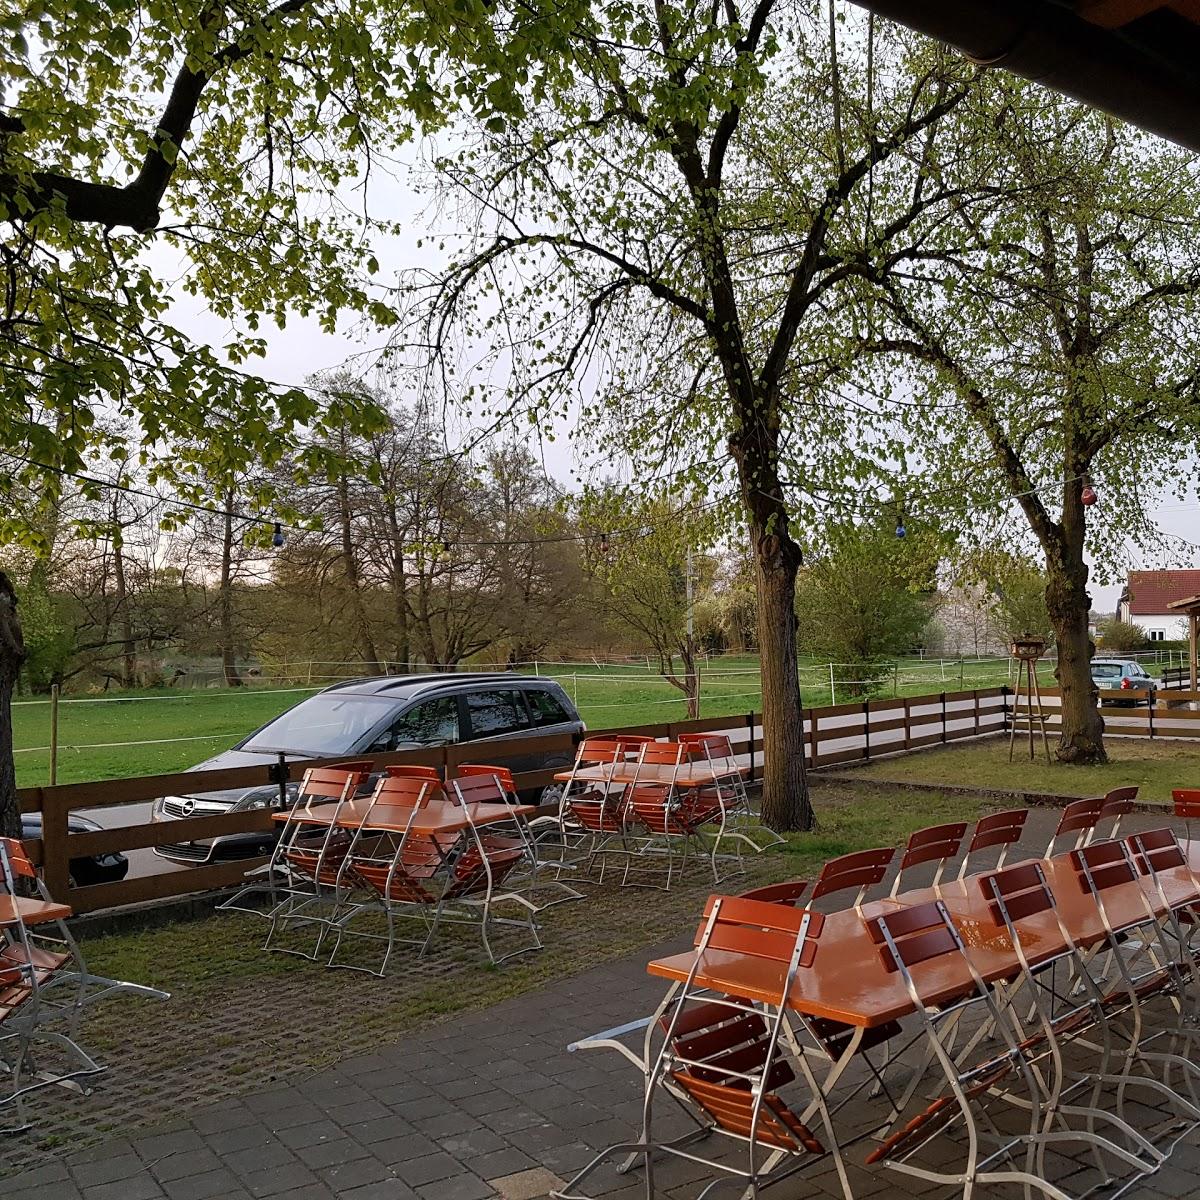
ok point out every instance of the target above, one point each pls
(1088, 496)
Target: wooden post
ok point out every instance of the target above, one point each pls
(750, 726)
(907, 723)
(867, 729)
(1193, 624)
(56, 870)
(53, 734)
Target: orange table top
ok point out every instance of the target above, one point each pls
(686, 775)
(32, 912)
(436, 817)
(849, 981)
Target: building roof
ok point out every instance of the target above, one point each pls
(1137, 59)
(1151, 593)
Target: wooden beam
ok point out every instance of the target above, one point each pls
(1112, 14)
(1193, 622)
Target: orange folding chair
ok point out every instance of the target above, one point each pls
(715, 750)
(664, 819)
(1079, 817)
(937, 844)
(861, 870)
(722, 1061)
(1003, 829)
(591, 812)
(1114, 807)
(308, 856)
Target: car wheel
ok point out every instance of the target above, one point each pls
(551, 795)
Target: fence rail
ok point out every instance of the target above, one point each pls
(838, 733)
(1126, 713)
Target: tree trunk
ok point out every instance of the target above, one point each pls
(124, 622)
(785, 800)
(12, 655)
(1068, 604)
(350, 568)
(1081, 740)
(228, 656)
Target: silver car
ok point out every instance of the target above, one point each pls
(376, 716)
(1121, 674)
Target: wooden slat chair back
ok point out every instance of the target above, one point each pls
(502, 775)
(937, 844)
(1186, 802)
(1003, 829)
(861, 871)
(791, 892)
(1079, 817)
(413, 771)
(1115, 806)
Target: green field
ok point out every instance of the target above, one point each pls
(176, 729)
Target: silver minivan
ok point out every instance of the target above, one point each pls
(377, 716)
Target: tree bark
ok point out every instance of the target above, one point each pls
(350, 568)
(228, 654)
(12, 656)
(1081, 740)
(124, 621)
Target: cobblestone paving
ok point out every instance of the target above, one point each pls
(481, 1104)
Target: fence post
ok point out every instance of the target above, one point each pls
(867, 729)
(975, 699)
(53, 734)
(907, 723)
(895, 680)
(943, 696)
(960, 674)
(813, 713)
(56, 870)
(832, 690)
(1150, 712)
(750, 726)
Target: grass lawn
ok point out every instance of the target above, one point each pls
(1155, 766)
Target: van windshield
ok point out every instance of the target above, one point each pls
(328, 724)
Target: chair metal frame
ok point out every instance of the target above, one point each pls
(909, 937)
(716, 750)
(45, 987)
(267, 878)
(590, 822)
(311, 871)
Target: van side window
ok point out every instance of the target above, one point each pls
(496, 712)
(429, 724)
(546, 708)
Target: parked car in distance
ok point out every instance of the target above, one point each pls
(380, 715)
(1119, 674)
(98, 868)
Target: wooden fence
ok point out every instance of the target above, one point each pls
(1125, 713)
(839, 733)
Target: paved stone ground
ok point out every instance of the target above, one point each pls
(483, 1105)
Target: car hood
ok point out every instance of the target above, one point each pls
(228, 759)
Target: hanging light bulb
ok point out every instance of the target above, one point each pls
(604, 543)
(446, 547)
(900, 530)
(277, 538)
(1088, 496)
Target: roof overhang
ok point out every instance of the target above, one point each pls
(1136, 59)
(1186, 608)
